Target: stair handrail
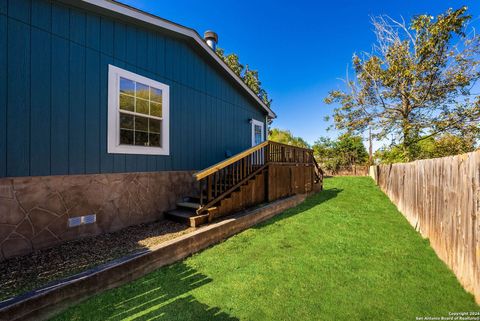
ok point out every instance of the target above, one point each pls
(216, 167)
(318, 170)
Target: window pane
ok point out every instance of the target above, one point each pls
(156, 109)
(126, 121)
(258, 134)
(141, 123)
(142, 91)
(126, 137)
(141, 138)
(127, 86)
(126, 102)
(142, 106)
(155, 95)
(154, 126)
(155, 140)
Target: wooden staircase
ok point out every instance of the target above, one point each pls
(186, 212)
(239, 182)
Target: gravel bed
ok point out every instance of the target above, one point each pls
(26, 273)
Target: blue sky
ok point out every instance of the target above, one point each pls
(301, 48)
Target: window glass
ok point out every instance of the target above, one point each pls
(142, 91)
(141, 106)
(154, 126)
(155, 95)
(258, 134)
(138, 108)
(141, 138)
(126, 121)
(127, 102)
(156, 109)
(155, 140)
(127, 86)
(126, 137)
(143, 100)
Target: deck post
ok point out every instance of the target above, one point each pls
(209, 188)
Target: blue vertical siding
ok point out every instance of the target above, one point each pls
(60, 19)
(59, 106)
(41, 15)
(18, 105)
(77, 27)
(3, 89)
(20, 10)
(106, 160)
(106, 36)
(76, 142)
(40, 103)
(120, 44)
(54, 95)
(3, 7)
(92, 32)
(92, 111)
(119, 160)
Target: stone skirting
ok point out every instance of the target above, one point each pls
(34, 211)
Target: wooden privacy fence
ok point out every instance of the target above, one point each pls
(355, 170)
(441, 199)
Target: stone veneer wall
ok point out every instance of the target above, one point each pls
(34, 211)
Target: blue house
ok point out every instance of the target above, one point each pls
(105, 114)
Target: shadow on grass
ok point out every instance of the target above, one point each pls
(187, 308)
(161, 295)
(309, 203)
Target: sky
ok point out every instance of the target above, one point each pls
(302, 49)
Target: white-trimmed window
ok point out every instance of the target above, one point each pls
(258, 132)
(138, 114)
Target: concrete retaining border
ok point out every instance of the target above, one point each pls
(54, 298)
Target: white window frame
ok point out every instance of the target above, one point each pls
(113, 134)
(258, 123)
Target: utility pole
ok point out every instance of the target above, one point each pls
(370, 147)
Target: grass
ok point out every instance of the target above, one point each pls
(343, 254)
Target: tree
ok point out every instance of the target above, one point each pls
(264, 97)
(345, 151)
(389, 155)
(232, 61)
(416, 83)
(249, 77)
(286, 137)
(351, 150)
(325, 152)
(445, 145)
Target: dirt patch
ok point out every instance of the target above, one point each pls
(22, 274)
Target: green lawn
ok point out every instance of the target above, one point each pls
(344, 254)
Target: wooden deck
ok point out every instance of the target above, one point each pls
(261, 174)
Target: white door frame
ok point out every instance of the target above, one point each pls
(258, 123)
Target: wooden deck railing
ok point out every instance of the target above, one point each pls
(221, 179)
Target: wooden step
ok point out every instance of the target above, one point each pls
(188, 216)
(193, 199)
(180, 215)
(188, 205)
